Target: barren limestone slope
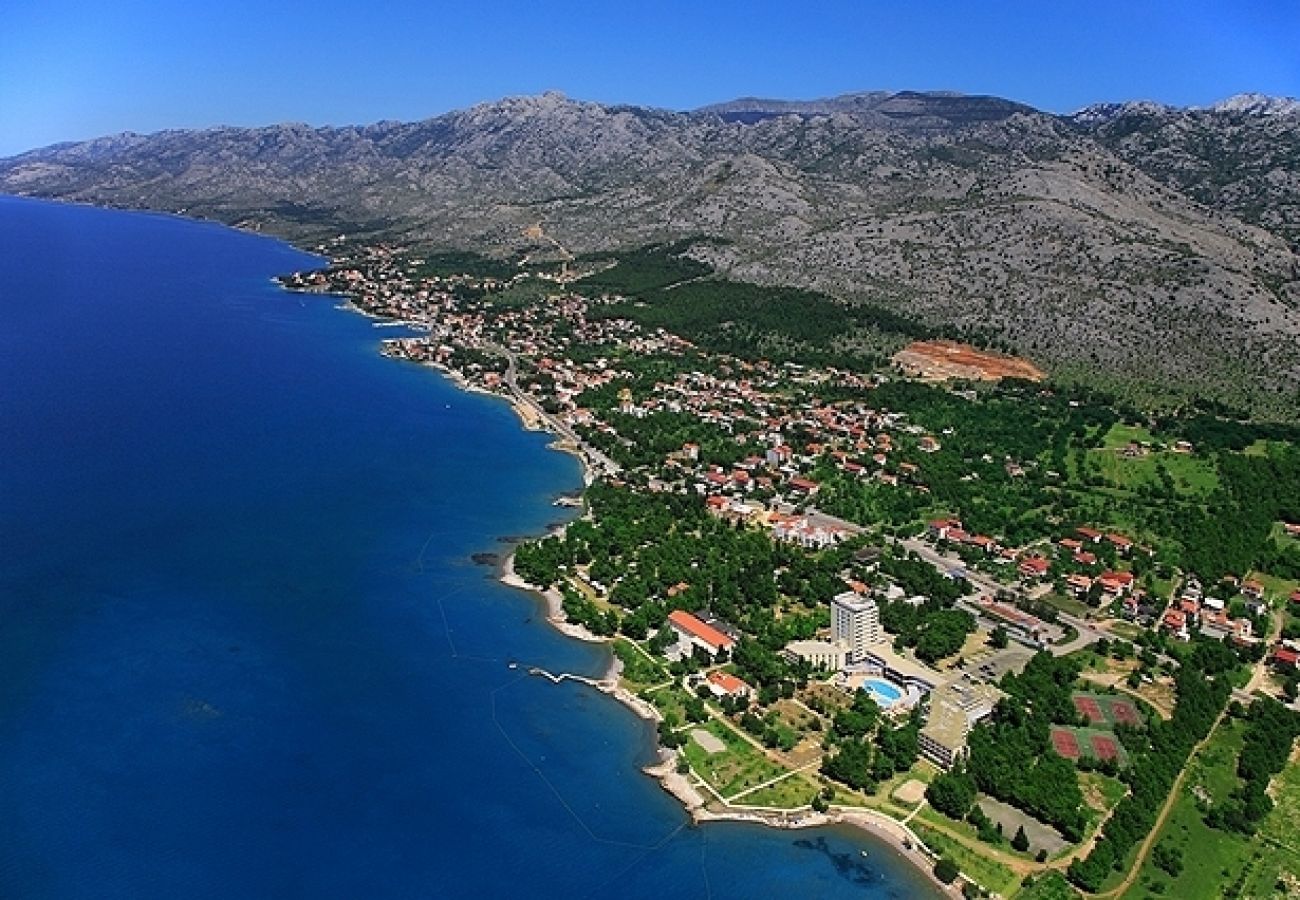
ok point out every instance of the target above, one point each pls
(970, 212)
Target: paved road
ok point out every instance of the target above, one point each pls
(602, 463)
(985, 586)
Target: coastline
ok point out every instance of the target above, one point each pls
(900, 840)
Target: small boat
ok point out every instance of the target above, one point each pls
(513, 665)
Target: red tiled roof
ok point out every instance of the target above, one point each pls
(694, 627)
(1035, 564)
(729, 683)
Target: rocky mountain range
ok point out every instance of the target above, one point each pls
(1133, 244)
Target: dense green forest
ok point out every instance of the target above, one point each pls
(663, 288)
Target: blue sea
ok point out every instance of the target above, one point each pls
(244, 651)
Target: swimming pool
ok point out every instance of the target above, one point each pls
(885, 693)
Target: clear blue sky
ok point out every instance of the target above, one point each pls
(73, 69)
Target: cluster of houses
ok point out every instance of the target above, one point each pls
(1192, 611)
(751, 403)
(1074, 559)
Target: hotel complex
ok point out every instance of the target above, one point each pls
(855, 622)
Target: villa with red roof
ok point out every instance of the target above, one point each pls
(1120, 542)
(1176, 622)
(724, 685)
(1116, 582)
(804, 485)
(939, 528)
(1034, 567)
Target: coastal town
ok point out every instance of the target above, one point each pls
(998, 620)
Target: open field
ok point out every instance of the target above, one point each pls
(1191, 476)
(1212, 860)
(739, 767)
(1101, 792)
(990, 874)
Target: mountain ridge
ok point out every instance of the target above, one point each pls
(1116, 245)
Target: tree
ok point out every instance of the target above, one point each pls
(946, 870)
(1168, 858)
(952, 793)
(851, 765)
(998, 638)
(1021, 840)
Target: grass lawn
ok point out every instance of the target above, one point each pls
(1259, 448)
(990, 874)
(638, 670)
(1096, 662)
(1120, 435)
(1276, 588)
(795, 791)
(932, 816)
(1212, 859)
(1066, 604)
(1162, 587)
(670, 701)
(1277, 846)
(1052, 886)
(739, 767)
(1126, 630)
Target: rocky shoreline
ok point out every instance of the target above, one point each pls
(701, 807)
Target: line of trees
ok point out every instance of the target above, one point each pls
(1270, 732)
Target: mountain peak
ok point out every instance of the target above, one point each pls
(1098, 113)
(1258, 105)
